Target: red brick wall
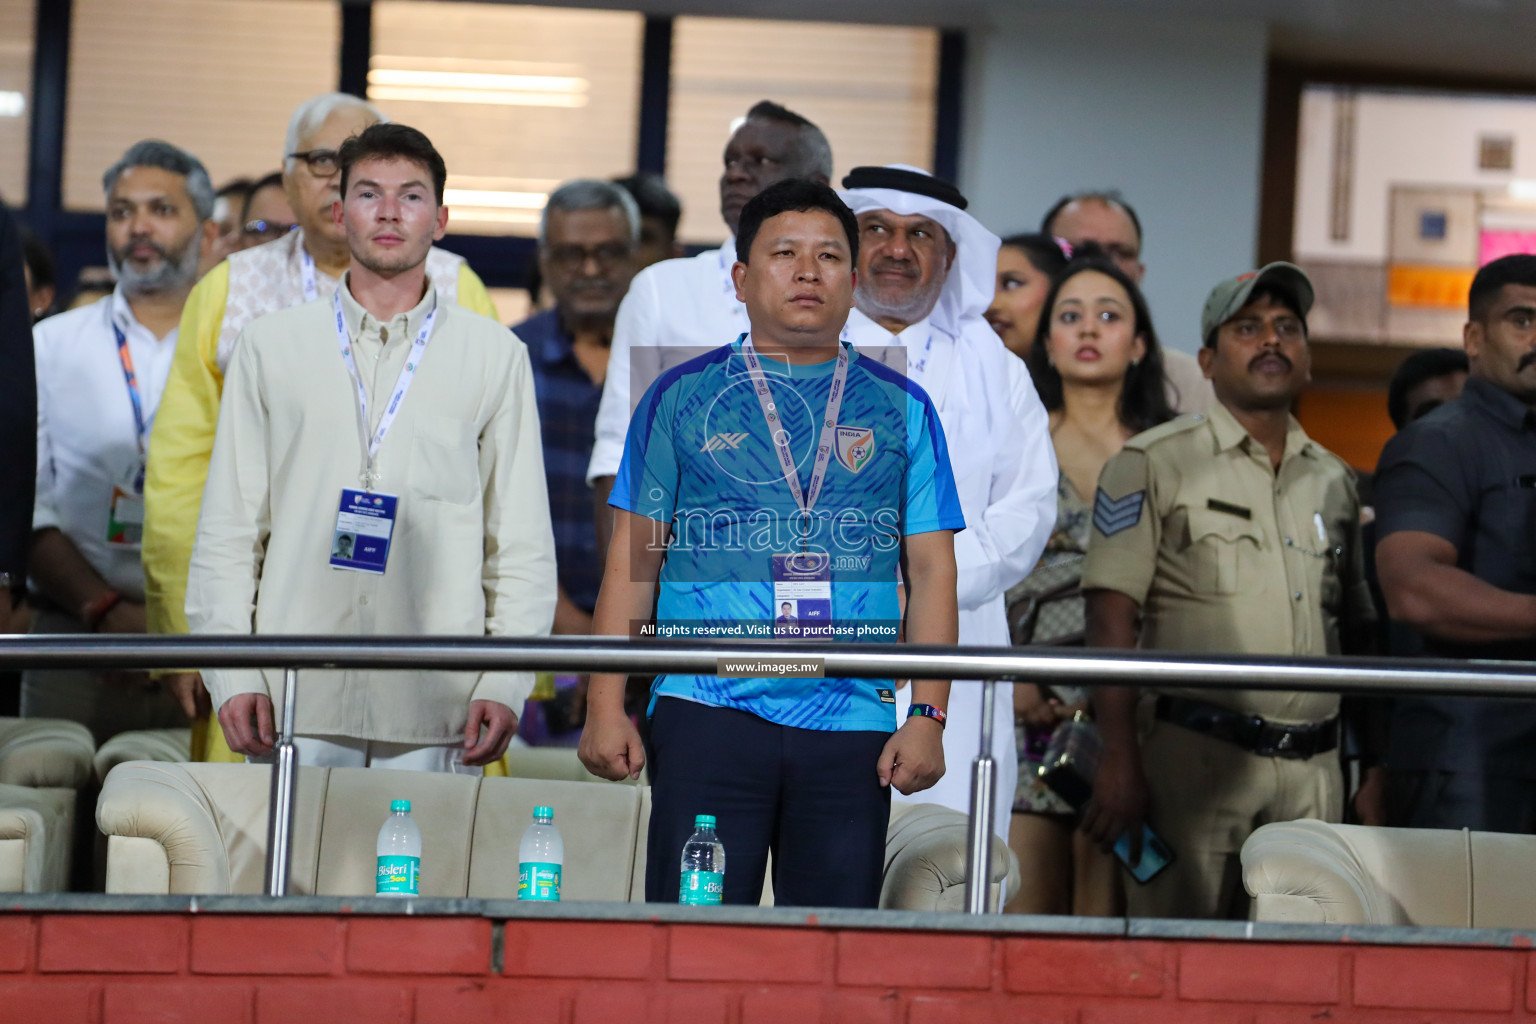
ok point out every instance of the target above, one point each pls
(180, 969)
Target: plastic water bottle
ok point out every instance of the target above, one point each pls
(399, 853)
(540, 858)
(703, 881)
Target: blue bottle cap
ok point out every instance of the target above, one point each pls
(544, 812)
(399, 807)
(704, 821)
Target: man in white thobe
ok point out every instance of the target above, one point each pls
(926, 274)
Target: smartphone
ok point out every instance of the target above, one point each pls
(1155, 855)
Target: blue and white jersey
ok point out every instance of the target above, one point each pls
(699, 456)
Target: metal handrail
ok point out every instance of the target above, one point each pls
(866, 661)
(860, 661)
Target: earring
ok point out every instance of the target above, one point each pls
(1135, 363)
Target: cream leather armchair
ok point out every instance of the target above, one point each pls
(43, 761)
(1313, 872)
(143, 745)
(201, 828)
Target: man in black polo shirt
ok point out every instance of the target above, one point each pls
(1456, 517)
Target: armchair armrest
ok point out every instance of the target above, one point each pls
(1311, 871)
(925, 863)
(24, 816)
(143, 745)
(45, 752)
(150, 800)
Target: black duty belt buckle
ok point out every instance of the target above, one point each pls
(1283, 741)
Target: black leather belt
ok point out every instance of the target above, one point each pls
(1250, 732)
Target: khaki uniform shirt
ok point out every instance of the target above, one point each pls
(472, 551)
(1226, 555)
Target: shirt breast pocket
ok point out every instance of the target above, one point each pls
(445, 460)
(1327, 562)
(1222, 547)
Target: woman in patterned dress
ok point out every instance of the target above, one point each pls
(1098, 368)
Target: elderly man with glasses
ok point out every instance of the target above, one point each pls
(300, 266)
(587, 257)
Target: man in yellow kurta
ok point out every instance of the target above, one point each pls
(301, 267)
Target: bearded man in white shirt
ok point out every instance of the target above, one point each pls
(677, 309)
(100, 372)
(926, 276)
(439, 480)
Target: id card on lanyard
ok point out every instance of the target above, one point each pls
(125, 512)
(365, 521)
(802, 580)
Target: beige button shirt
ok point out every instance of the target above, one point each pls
(472, 552)
(1226, 555)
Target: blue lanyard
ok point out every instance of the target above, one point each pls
(140, 423)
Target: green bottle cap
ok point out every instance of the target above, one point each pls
(544, 812)
(400, 807)
(704, 821)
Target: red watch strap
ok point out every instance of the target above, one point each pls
(93, 613)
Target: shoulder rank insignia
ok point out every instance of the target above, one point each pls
(1112, 515)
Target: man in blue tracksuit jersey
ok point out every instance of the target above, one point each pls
(783, 468)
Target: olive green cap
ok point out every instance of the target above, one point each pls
(1232, 294)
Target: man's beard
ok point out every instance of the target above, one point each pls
(907, 306)
(172, 272)
(390, 264)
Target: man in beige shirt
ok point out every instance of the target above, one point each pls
(377, 471)
(1229, 532)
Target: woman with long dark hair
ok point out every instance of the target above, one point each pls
(1026, 265)
(1098, 367)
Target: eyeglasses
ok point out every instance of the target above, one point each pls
(574, 257)
(265, 229)
(322, 163)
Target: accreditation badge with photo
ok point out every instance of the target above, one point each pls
(802, 595)
(365, 524)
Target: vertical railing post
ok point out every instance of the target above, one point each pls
(978, 851)
(284, 768)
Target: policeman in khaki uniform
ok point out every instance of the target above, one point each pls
(1229, 532)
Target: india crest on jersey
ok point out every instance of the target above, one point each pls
(855, 447)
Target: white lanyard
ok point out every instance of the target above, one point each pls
(307, 269)
(402, 383)
(806, 500)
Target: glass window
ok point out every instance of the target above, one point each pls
(16, 37)
(517, 99)
(216, 77)
(870, 88)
